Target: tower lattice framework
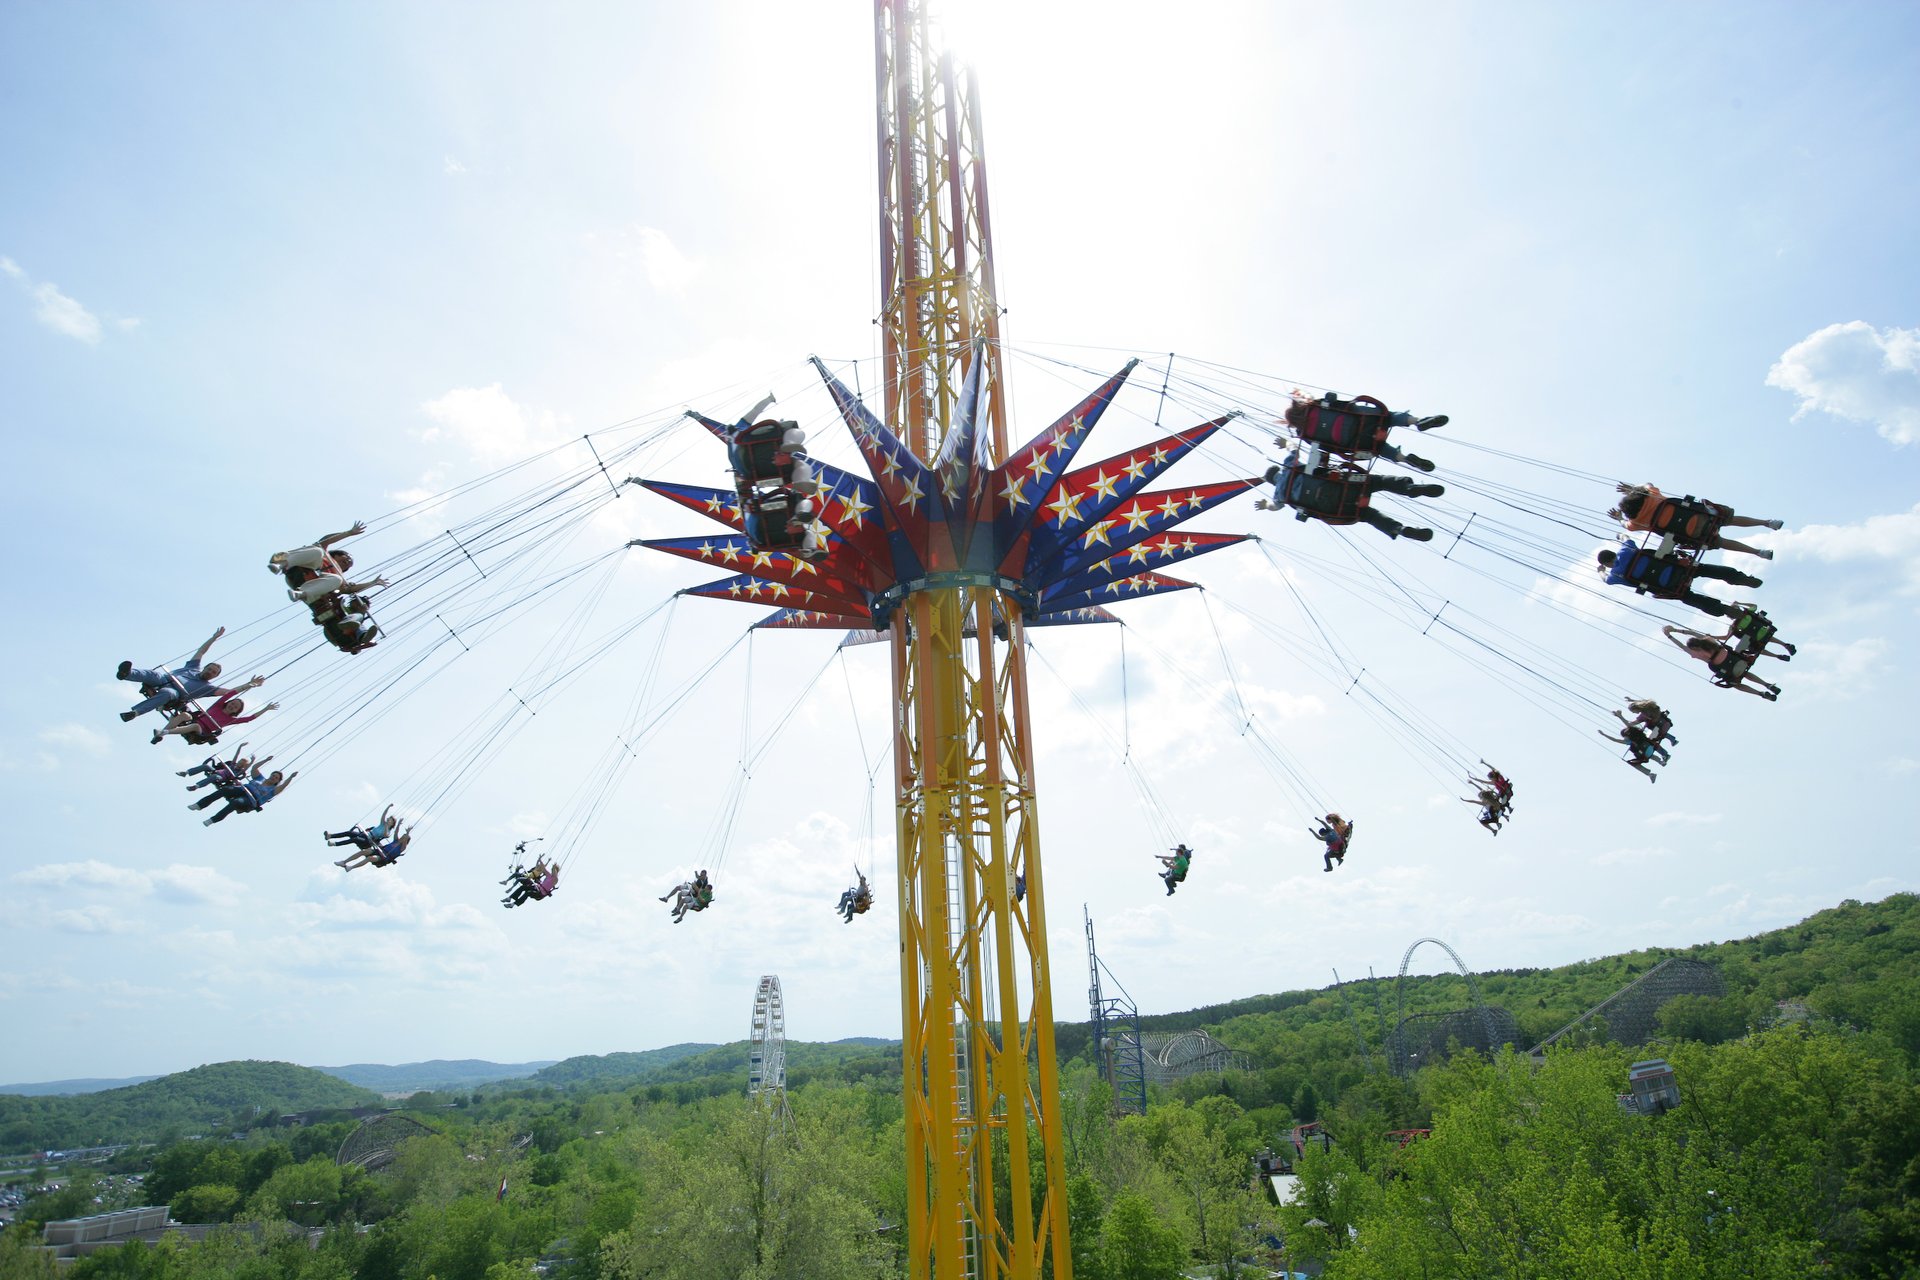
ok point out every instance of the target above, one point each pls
(981, 1083)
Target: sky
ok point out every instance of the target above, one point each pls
(264, 271)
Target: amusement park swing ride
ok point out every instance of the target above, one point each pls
(960, 537)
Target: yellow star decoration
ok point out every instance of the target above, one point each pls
(714, 505)
(706, 551)
(729, 554)
(1037, 465)
(1135, 468)
(1137, 518)
(854, 508)
(1170, 508)
(1103, 486)
(1011, 491)
(1098, 534)
(802, 566)
(761, 559)
(889, 465)
(778, 590)
(733, 588)
(753, 588)
(1065, 507)
(1139, 552)
(1187, 545)
(912, 496)
(1159, 454)
(1193, 498)
(951, 480)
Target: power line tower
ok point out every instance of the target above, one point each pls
(1116, 1034)
(982, 1085)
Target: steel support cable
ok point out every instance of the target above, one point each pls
(1436, 618)
(374, 675)
(1434, 747)
(482, 753)
(1278, 763)
(1375, 602)
(581, 817)
(568, 838)
(1414, 739)
(1157, 814)
(867, 767)
(466, 642)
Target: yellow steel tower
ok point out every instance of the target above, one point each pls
(986, 1184)
(953, 546)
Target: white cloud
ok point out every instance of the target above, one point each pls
(57, 311)
(1903, 764)
(487, 423)
(182, 883)
(336, 899)
(76, 737)
(451, 167)
(95, 919)
(176, 883)
(1837, 670)
(1892, 539)
(91, 874)
(1855, 371)
(62, 314)
(653, 252)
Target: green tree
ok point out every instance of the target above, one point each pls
(1136, 1245)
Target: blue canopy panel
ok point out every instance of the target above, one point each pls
(1141, 518)
(722, 505)
(909, 493)
(1157, 552)
(959, 463)
(1140, 584)
(733, 551)
(1086, 496)
(1013, 494)
(749, 588)
(819, 620)
(1082, 616)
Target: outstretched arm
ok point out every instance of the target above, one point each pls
(201, 652)
(753, 415)
(1674, 633)
(359, 527)
(1609, 736)
(355, 588)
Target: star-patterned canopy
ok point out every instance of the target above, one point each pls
(1062, 540)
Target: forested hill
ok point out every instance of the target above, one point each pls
(204, 1100)
(1856, 965)
(439, 1073)
(681, 1063)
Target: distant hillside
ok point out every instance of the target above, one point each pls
(439, 1073)
(212, 1098)
(63, 1088)
(685, 1062)
(1857, 964)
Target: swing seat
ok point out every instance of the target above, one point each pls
(774, 522)
(1690, 521)
(1752, 629)
(1357, 426)
(757, 456)
(1664, 577)
(1339, 497)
